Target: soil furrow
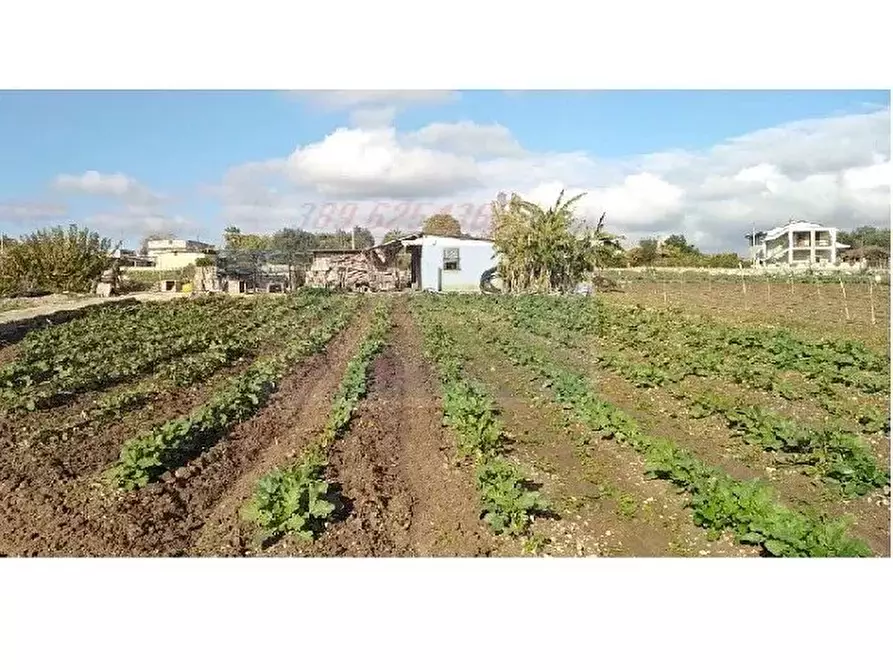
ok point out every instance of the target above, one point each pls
(607, 505)
(404, 498)
(80, 518)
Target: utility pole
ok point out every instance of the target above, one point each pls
(353, 238)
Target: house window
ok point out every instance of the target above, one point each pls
(451, 259)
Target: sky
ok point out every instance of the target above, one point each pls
(710, 165)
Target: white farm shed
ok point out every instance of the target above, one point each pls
(449, 264)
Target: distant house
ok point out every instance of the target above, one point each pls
(437, 263)
(176, 254)
(265, 278)
(796, 243)
(128, 258)
(448, 264)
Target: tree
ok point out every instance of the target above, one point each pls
(57, 260)
(235, 240)
(442, 224)
(865, 236)
(363, 238)
(680, 245)
(541, 250)
(292, 247)
(340, 239)
(392, 235)
(645, 253)
(607, 245)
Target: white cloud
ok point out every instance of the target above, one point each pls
(834, 170)
(31, 212)
(136, 221)
(468, 139)
(353, 163)
(115, 185)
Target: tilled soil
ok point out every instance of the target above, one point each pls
(81, 517)
(662, 415)
(29, 461)
(814, 311)
(604, 503)
(403, 496)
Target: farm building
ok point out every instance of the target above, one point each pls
(267, 278)
(128, 258)
(448, 264)
(176, 254)
(796, 243)
(436, 263)
(373, 269)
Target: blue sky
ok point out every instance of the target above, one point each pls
(176, 160)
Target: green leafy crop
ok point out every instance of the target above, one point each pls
(507, 502)
(718, 502)
(296, 500)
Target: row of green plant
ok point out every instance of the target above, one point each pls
(114, 345)
(836, 361)
(298, 499)
(666, 359)
(831, 452)
(718, 502)
(704, 276)
(145, 457)
(828, 452)
(507, 501)
(844, 362)
(188, 370)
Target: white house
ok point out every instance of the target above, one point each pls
(176, 254)
(448, 264)
(796, 243)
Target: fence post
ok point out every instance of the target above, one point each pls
(871, 299)
(846, 308)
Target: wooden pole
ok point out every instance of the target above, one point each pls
(846, 308)
(768, 290)
(871, 300)
(665, 291)
(791, 281)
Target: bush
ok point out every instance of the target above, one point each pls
(56, 260)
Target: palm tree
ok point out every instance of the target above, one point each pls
(540, 249)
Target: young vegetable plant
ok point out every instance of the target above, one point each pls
(298, 500)
(295, 500)
(508, 504)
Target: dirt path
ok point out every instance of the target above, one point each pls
(79, 518)
(404, 496)
(302, 414)
(46, 307)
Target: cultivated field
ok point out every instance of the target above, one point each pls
(318, 424)
(858, 310)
